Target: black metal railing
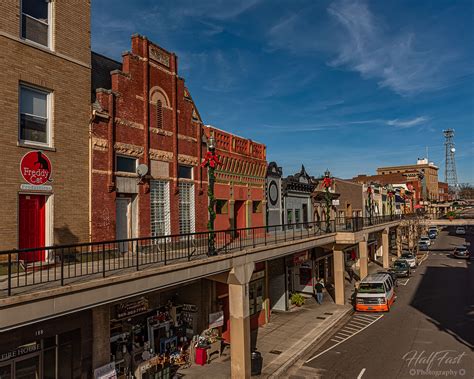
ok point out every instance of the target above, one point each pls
(65, 263)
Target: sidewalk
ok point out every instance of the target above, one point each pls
(284, 339)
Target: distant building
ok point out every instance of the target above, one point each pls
(274, 195)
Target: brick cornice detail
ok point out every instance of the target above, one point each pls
(100, 144)
(127, 149)
(161, 132)
(186, 138)
(161, 155)
(121, 121)
(187, 159)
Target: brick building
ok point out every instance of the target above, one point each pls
(44, 97)
(145, 118)
(240, 181)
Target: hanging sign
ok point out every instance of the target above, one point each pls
(35, 167)
(132, 308)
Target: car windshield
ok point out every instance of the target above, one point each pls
(399, 264)
(424, 238)
(461, 248)
(408, 256)
(371, 288)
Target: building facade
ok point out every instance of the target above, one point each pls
(44, 88)
(296, 194)
(146, 148)
(240, 181)
(273, 195)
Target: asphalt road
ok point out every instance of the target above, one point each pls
(429, 331)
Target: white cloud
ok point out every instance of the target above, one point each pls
(408, 123)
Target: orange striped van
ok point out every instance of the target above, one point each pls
(376, 293)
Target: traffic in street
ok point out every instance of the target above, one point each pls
(428, 332)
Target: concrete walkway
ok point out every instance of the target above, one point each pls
(283, 340)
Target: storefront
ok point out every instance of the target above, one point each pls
(54, 349)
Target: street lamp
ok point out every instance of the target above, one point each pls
(327, 183)
(369, 199)
(211, 162)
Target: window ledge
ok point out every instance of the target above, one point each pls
(34, 146)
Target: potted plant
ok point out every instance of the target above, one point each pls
(451, 215)
(297, 299)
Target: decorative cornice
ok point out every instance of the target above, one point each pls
(99, 144)
(127, 149)
(187, 159)
(187, 138)
(161, 132)
(161, 155)
(121, 121)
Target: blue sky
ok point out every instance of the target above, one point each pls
(345, 85)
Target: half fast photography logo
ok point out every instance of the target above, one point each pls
(443, 363)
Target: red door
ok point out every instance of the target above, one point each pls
(32, 226)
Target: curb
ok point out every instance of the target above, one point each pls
(301, 349)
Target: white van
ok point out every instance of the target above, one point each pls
(376, 293)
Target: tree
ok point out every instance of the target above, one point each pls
(466, 191)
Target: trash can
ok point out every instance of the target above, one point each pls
(256, 363)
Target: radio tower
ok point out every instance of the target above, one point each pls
(450, 175)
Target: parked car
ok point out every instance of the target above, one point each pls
(426, 240)
(410, 258)
(401, 268)
(432, 234)
(461, 252)
(460, 230)
(423, 246)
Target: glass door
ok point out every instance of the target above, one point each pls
(28, 368)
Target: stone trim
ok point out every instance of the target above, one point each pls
(161, 132)
(123, 122)
(161, 155)
(100, 172)
(128, 149)
(100, 144)
(186, 138)
(187, 159)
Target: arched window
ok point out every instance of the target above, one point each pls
(159, 114)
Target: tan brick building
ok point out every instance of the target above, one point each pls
(45, 102)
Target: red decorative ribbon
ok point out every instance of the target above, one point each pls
(369, 190)
(327, 182)
(210, 160)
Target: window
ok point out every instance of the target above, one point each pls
(126, 164)
(185, 172)
(186, 208)
(289, 216)
(35, 21)
(257, 207)
(297, 217)
(159, 115)
(221, 207)
(160, 208)
(256, 295)
(34, 116)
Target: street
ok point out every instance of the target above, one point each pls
(429, 331)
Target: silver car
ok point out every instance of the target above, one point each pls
(410, 258)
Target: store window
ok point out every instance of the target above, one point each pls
(221, 207)
(289, 216)
(186, 208)
(256, 206)
(160, 208)
(126, 164)
(297, 218)
(34, 116)
(35, 21)
(256, 292)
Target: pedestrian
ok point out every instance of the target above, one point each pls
(319, 291)
(351, 273)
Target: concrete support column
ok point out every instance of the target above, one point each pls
(101, 336)
(338, 258)
(238, 281)
(364, 259)
(399, 241)
(385, 249)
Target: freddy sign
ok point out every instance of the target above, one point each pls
(35, 168)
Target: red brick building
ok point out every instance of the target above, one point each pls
(143, 114)
(240, 181)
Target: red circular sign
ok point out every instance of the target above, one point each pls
(35, 168)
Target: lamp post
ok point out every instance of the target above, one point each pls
(327, 182)
(369, 199)
(211, 162)
(390, 194)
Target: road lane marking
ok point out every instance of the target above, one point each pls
(338, 343)
(364, 318)
(361, 373)
(406, 282)
(350, 329)
(358, 323)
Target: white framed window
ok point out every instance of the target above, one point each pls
(35, 120)
(160, 208)
(186, 208)
(126, 164)
(36, 21)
